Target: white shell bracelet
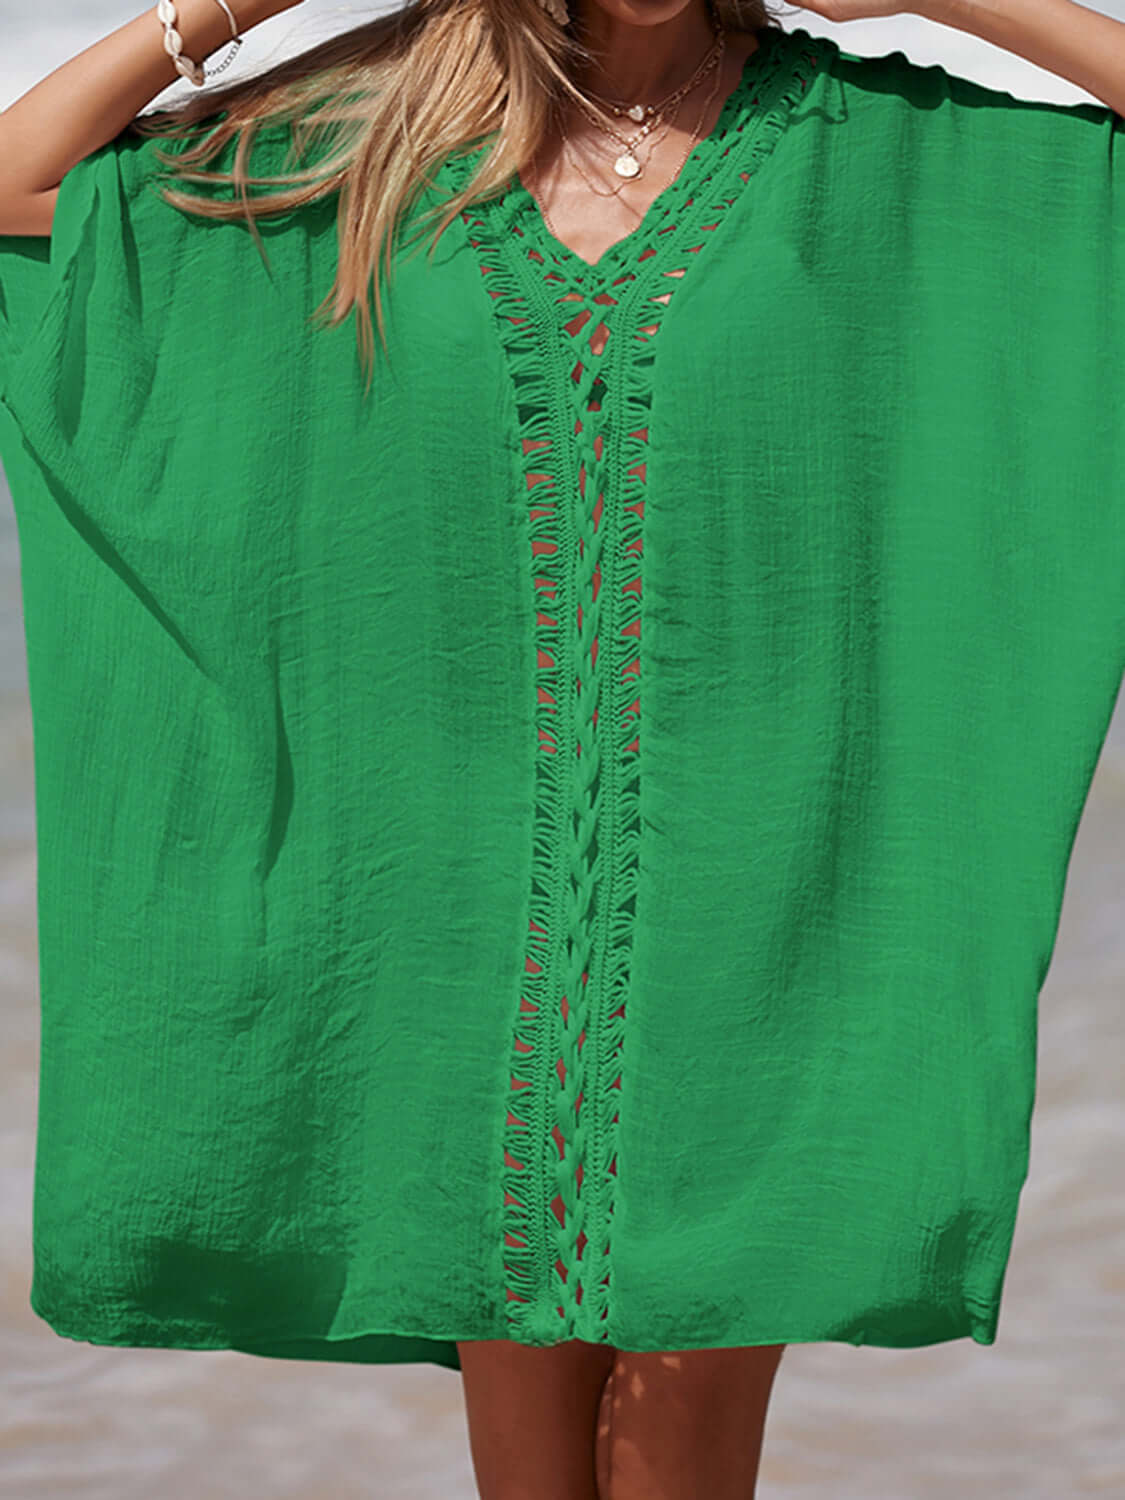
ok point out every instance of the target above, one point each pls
(174, 44)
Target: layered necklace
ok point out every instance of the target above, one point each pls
(626, 162)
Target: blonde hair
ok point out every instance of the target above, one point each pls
(406, 91)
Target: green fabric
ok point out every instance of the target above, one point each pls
(336, 799)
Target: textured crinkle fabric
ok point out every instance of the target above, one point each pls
(568, 845)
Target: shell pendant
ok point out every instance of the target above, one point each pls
(627, 165)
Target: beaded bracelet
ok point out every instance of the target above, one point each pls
(174, 44)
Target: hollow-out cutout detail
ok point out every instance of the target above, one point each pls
(580, 344)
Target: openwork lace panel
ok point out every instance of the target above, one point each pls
(583, 392)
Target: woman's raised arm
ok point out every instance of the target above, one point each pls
(89, 100)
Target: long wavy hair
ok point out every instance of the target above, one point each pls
(395, 97)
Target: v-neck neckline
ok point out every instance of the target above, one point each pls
(762, 65)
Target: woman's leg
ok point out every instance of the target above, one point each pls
(531, 1415)
(689, 1423)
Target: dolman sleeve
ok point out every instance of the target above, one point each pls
(25, 273)
(69, 304)
(993, 229)
(37, 286)
(128, 287)
(1012, 159)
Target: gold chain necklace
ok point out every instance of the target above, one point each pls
(615, 192)
(692, 139)
(627, 165)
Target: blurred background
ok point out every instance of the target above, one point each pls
(1039, 1415)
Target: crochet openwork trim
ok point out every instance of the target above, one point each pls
(582, 399)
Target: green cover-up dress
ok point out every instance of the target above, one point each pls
(568, 846)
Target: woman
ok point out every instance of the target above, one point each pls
(548, 852)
